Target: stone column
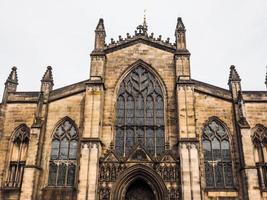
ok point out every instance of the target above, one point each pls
(84, 172)
(185, 172)
(91, 143)
(249, 166)
(194, 163)
(189, 156)
(93, 170)
(31, 170)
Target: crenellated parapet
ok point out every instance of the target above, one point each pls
(140, 35)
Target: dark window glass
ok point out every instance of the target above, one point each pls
(210, 178)
(55, 149)
(64, 147)
(207, 149)
(71, 175)
(217, 158)
(73, 149)
(61, 174)
(63, 155)
(143, 113)
(52, 174)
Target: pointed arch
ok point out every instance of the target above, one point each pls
(217, 154)
(142, 173)
(18, 153)
(62, 120)
(137, 63)
(140, 111)
(259, 136)
(21, 134)
(63, 155)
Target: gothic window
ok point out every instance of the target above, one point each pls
(140, 113)
(259, 139)
(217, 156)
(63, 157)
(18, 154)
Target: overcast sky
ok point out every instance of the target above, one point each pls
(60, 33)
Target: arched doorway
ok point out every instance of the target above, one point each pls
(139, 182)
(139, 190)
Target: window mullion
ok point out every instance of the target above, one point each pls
(213, 165)
(223, 165)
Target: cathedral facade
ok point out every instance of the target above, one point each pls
(139, 128)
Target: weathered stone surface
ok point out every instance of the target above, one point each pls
(91, 105)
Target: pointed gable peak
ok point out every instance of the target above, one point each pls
(100, 26)
(180, 25)
(48, 76)
(13, 77)
(233, 74)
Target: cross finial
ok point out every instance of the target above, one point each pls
(142, 29)
(144, 23)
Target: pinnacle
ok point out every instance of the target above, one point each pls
(100, 26)
(180, 25)
(233, 74)
(266, 77)
(13, 77)
(48, 76)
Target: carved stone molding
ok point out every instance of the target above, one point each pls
(91, 143)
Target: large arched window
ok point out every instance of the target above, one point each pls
(63, 157)
(140, 113)
(259, 139)
(217, 156)
(18, 155)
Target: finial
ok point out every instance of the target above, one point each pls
(48, 76)
(233, 74)
(13, 77)
(266, 77)
(100, 26)
(144, 23)
(180, 25)
(142, 29)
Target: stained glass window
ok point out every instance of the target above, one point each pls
(18, 155)
(63, 157)
(140, 113)
(217, 157)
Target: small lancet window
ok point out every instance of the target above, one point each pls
(18, 155)
(63, 156)
(217, 156)
(259, 139)
(140, 113)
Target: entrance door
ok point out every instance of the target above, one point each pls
(139, 190)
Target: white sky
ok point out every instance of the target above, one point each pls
(60, 33)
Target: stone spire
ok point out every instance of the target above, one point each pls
(47, 81)
(266, 78)
(13, 77)
(100, 35)
(144, 23)
(234, 82)
(48, 76)
(11, 83)
(233, 74)
(180, 35)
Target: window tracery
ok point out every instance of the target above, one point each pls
(19, 147)
(63, 157)
(217, 156)
(259, 139)
(140, 113)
